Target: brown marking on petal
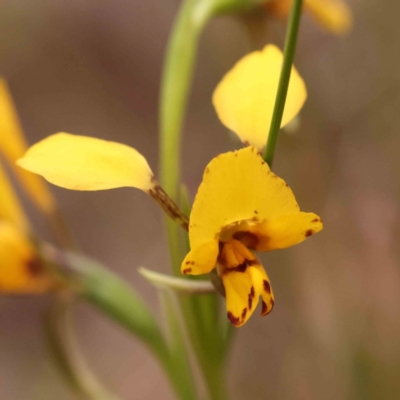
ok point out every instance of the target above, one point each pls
(262, 162)
(267, 286)
(310, 232)
(34, 267)
(255, 212)
(187, 271)
(246, 144)
(250, 240)
(207, 170)
(239, 268)
(232, 319)
(244, 312)
(251, 297)
(316, 220)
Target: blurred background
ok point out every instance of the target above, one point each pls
(93, 67)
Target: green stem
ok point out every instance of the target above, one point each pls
(290, 50)
(175, 86)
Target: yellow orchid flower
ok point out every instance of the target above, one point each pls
(332, 15)
(21, 271)
(244, 99)
(13, 146)
(242, 206)
(84, 163)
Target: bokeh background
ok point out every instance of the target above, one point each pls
(93, 67)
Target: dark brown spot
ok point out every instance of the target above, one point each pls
(262, 162)
(232, 319)
(207, 170)
(187, 271)
(267, 286)
(34, 267)
(255, 212)
(264, 309)
(309, 233)
(240, 268)
(244, 312)
(316, 220)
(250, 240)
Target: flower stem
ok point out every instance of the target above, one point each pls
(290, 50)
(175, 87)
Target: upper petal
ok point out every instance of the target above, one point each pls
(244, 100)
(85, 163)
(13, 146)
(237, 186)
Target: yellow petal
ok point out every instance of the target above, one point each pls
(13, 146)
(281, 232)
(243, 287)
(85, 163)
(333, 15)
(20, 269)
(201, 260)
(263, 286)
(10, 207)
(237, 186)
(244, 100)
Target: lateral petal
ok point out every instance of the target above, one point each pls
(244, 99)
(85, 163)
(280, 233)
(202, 259)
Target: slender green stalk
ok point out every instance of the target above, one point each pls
(290, 50)
(67, 354)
